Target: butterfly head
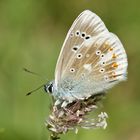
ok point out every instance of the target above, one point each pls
(49, 87)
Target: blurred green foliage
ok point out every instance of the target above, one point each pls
(31, 36)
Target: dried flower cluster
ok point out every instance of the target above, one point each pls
(74, 115)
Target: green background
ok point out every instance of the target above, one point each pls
(31, 35)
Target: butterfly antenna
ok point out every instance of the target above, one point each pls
(34, 73)
(29, 93)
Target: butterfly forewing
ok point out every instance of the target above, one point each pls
(87, 24)
(92, 59)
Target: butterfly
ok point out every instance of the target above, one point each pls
(91, 61)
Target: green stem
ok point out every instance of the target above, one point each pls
(54, 136)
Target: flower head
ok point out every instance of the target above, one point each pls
(75, 115)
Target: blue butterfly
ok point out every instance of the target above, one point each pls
(91, 61)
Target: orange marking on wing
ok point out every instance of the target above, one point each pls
(114, 65)
(106, 45)
(114, 55)
(113, 75)
(110, 49)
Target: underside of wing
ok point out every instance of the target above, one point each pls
(91, 61)
(86, 25)
(97, 66)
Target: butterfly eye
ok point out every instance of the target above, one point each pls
(49, 87)
(77, 33)
(79, 56)
(98, 52)
(72, 70)
(102, 70)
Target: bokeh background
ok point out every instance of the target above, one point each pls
(31, 35)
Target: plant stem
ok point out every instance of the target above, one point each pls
(53, 136)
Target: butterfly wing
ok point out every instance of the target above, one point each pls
(86, 22)
(91, 60)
